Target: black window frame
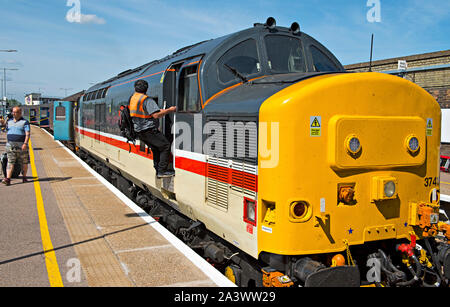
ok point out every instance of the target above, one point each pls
(220, 66)
(302, 46)
(181, 89)
(312, 47)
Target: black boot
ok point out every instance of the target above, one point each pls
(165, 174)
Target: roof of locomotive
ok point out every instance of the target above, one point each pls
(201, 48)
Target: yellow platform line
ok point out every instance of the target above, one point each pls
(54, 276)
(445, 182)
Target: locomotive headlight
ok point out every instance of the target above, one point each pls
(412, 144)
(384, 188)
(389, 189)
(353, 144)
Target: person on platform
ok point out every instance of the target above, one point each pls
(18, 135)
(145, 115)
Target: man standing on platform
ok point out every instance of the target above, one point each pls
(18, 135)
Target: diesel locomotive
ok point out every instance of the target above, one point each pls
(289, 171)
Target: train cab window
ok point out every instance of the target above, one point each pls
(321, 62)
(189, 99)
(285, 54)
(243, 57)
(60, 113)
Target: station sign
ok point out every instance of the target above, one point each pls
(402, 65)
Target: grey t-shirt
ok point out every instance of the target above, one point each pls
(141, 124)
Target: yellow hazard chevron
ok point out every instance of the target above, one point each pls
(315, 123)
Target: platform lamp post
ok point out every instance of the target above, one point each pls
(4, 87)
(65, 90)
(4, 80)
(4, 76)
(6, 50)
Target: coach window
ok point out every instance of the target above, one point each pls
(60, 113)
(99, 94)
(243, 57)
(285, 54)
(189, 99)
(321, 62)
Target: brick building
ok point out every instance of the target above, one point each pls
(431, 71)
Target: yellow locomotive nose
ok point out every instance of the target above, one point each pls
(356, 148)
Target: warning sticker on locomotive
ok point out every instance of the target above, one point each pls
(316, 126)
(429, 127)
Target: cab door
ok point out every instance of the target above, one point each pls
(187, 129)
(181, 89)
(188, 102)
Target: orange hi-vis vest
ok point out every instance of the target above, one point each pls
(137, 106)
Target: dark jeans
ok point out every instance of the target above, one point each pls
(160, 147)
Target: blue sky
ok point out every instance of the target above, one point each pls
(115, 35)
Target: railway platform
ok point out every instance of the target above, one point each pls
(68, 227)
(445, 186)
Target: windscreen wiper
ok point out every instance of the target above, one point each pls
(236, 73)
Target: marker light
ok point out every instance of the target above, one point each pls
(353, 144)
(412, 143)
(250, 211)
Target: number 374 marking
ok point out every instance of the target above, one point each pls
(430, 181)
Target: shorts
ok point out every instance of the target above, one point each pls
(15, 154)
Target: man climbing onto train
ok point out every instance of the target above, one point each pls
(18, 134)
(145, 115)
